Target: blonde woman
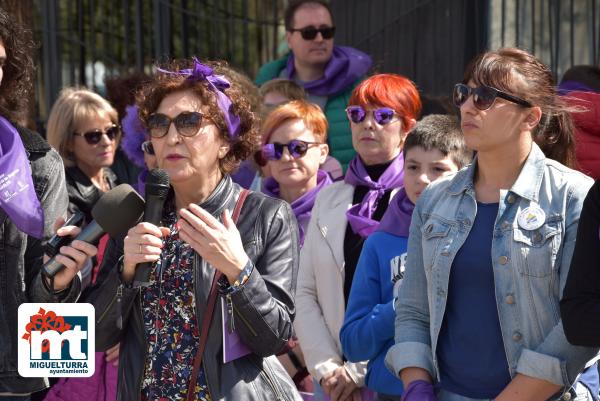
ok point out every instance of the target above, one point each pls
(83, 127)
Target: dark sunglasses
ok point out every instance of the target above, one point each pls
(382, 116)
(94, 137)
(187, 123)
(310, 32)
(274, 151)
(483, 96)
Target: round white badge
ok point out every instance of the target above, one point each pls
(531, 218)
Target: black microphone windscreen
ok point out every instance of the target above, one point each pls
(118, 210)
(157, 183)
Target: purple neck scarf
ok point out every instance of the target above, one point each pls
(302, 206)
(17, 193)
(345, 67)
(396, 220)
(360, 216)
(217, 84)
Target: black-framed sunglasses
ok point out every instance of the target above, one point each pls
(483, 96)
(310, 32)
(382, 115)
(94, 137)
(187, 123)
(274, 151)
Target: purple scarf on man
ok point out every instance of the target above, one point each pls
(360, 216)
(396, 220)
(302, 207)
(345, 67)
(17, 193)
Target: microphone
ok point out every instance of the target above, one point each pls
(115, 212)
(157, 189)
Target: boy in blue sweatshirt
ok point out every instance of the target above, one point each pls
(435, 148)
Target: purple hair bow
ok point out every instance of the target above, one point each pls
(217, 83)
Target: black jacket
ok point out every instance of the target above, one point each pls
(264, 307)
(580, 306)
(21, 259)
(83, 194)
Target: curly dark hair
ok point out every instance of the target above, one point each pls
(18, 69)
(151, 95)
(121, 90)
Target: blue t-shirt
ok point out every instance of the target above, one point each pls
(470, 349)
(368, 330)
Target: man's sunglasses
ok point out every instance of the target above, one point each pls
(310, 32)
(274, 151)
(483, 96)
(187, 123)
(94, 137)
(382, 115)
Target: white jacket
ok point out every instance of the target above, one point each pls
(320, 289)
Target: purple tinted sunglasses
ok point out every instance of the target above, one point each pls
(382, 115)
(296, 148)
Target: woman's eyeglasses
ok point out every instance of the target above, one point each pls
(310, 32)
(187, 123)
(274, 151)
(483, 96)
(94, 137)
(382, 116)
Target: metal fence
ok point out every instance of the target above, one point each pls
(430, 41)
(562, 33)
(84, 41)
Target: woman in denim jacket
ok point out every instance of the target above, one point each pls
(490, 248)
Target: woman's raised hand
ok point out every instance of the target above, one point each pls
(218, 244)
(143, 243)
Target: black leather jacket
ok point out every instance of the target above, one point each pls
(83, 194)
(264, 307)
(21, 259)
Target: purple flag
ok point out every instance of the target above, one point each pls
(17, 193)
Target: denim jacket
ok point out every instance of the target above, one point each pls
(21, 260)
(530, 270)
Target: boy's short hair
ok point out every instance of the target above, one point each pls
(286, 87)
(441, 132)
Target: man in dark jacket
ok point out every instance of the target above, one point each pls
(328, 73)
(33, 200)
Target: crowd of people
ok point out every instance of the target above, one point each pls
(323, 236)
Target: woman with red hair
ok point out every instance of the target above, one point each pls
(383, 109)
(295, 145)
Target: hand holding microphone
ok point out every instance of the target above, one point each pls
(116, 211)
(143, 243)
(72, 255)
